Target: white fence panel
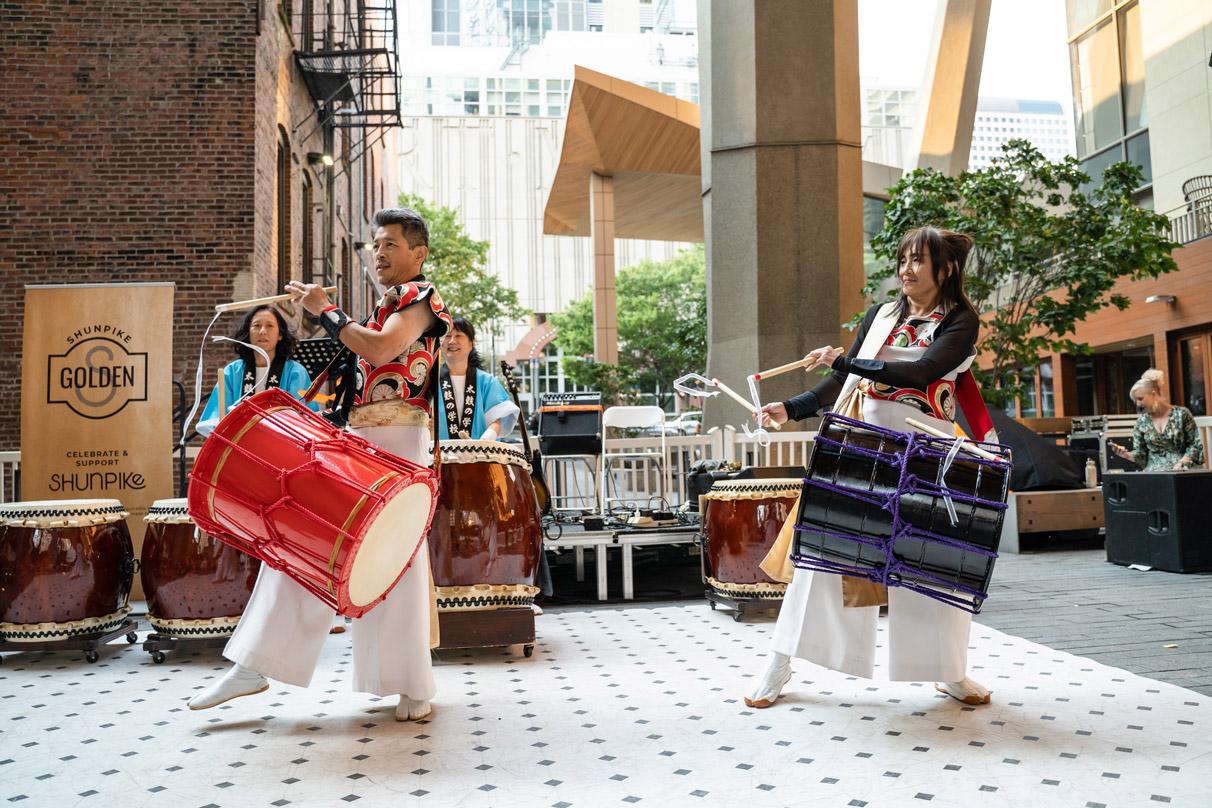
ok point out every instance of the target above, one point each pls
(1204, 423)
(10, 468)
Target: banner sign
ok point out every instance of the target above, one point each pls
(97, 396)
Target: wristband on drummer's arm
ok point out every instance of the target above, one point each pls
(332, 319)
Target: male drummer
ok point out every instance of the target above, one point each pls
(284, 627)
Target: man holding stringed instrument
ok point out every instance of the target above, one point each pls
(283, 629)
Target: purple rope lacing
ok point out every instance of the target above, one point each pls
(893, 571)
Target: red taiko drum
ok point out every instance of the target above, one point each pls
(196, 586)
(340, 516)
(485, 541)
(66, 569)
(742, 520)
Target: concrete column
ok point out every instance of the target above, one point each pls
(947, 111)
(784, 206)
(605, 317)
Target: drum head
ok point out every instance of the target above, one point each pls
(61, 512)
(773, 488)
(482, 451)
(173, 511)
(390, 543)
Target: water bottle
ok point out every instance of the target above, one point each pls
(1091, 473)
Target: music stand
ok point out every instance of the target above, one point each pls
(315, 354)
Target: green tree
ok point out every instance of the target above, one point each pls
(1049, 248)
(662, 314)
(456, 264)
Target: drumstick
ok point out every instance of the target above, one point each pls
(748, 405)
(799, 363)
(222, 403)
(262, 301)
(965, 445)
(736, 396)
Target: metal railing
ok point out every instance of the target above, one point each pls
(1191, 222)
(637, 482)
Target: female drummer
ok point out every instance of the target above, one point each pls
(251, 373)
(474, 403)
(905, 362)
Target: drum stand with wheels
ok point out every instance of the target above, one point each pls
(487, 628)
(157, 644)
(88, 643)
(742, 606)
(739, 606)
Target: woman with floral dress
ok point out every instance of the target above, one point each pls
(1165, 437)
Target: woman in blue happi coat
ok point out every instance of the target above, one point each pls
(250, 373)
(474, 404)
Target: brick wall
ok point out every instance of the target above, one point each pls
(142, 142)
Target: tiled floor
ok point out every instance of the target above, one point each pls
(617, 706)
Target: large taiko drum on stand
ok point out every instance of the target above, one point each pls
(66, 569)
(340, 516)
(741, 522)
(196, 585)
(485, 540)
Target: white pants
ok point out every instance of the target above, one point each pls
(927, 640)
(283, 629)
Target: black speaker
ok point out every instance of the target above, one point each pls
(570, 424)
(1156, 519)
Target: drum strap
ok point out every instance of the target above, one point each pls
(433, 422)
(345, 383)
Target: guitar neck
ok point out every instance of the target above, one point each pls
(507, 372)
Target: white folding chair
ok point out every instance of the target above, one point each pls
(630, 418)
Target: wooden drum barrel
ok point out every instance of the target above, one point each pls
(742, 520)
(66, 569)
(196, 585)
(485, 539)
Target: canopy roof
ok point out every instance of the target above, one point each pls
(648, 142)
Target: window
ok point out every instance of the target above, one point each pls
(1193, 376)
(1084, 12)
(282, 209)
(873, 224)
(570, 15)
(445, 19)
(307, 242)
(1136, 116)
(1028, 404)
(1047, 404)
(1083, 374)
(346, 289)
(1108, 87)
(308, 32)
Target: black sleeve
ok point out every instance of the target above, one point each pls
(953, 343)
(808, 404)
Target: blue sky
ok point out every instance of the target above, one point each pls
(1026, 54)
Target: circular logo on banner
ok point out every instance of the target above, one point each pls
(96, 378)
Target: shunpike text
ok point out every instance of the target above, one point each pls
(111, 331)
(97, 481)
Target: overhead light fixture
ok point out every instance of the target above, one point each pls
(363, 245)
(320, 158)
(1169, 300)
